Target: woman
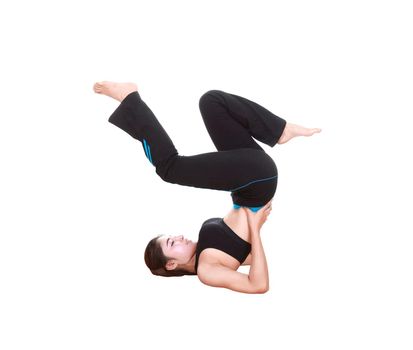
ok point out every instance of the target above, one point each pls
(240, 166)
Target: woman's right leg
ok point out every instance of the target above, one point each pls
(232, 121)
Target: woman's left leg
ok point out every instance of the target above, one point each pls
(135, 117)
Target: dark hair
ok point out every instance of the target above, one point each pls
(156, 260)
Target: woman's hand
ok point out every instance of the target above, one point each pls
(256, 220)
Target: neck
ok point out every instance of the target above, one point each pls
(189, 266)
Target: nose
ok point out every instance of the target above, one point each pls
(181, 237)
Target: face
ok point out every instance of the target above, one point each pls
(177, 248)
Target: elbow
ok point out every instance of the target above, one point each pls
(263, 289)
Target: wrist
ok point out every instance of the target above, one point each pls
(254, 231)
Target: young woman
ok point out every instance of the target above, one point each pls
(240, 166)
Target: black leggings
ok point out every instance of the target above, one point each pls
(240, 165)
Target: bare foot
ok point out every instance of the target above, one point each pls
(118, 91)
(294, 130)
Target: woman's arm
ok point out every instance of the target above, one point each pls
(258, 274)
(223, 277)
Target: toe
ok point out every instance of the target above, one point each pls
(97, 87)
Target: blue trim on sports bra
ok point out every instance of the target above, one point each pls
(254, 209)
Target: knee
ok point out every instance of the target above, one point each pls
(164, 168)
(208, 97)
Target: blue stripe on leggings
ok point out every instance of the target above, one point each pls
(144, 146)
(147, 150)
(249, 183)
(150, 156)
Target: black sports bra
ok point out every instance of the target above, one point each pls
(215, 233)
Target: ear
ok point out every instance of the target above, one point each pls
(171, 265)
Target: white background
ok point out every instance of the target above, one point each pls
(80, 201)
